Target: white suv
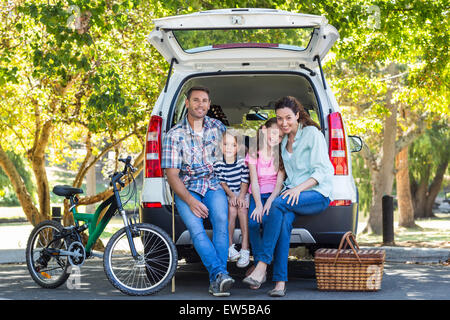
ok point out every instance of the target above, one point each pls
(249, 58)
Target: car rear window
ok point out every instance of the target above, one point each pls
(199, 40)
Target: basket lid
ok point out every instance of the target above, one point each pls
(348, 253)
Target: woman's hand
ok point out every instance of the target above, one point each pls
(292, 194)
(257, 213)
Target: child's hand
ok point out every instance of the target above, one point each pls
(257, 214)
(267, 206)
(233, 200)
(241, 201)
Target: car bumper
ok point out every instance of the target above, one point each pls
(327, 227)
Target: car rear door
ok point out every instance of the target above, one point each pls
(230, 38)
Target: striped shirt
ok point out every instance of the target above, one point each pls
(233, 174)
(194, 154)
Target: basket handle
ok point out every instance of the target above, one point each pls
(346, 238)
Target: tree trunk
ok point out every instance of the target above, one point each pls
(435, 187)
(37, 158)
(25, 199)
(405, 206)
(420, 195)
(384, 178)
(425, 195)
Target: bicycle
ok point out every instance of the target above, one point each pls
(139, 259)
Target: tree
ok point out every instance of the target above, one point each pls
(7, 194)
(429, 156)
(405, 204)
(95, 77)
(71, 79)
(377, 71)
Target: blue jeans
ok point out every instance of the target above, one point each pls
(278, 227)
(213, 254)
(255, 229)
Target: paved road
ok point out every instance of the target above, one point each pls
(400, 282)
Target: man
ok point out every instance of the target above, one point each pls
(188, 154)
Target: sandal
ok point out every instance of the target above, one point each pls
(249, 271)
(254, 284)
(277, 293)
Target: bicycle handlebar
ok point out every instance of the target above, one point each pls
(115, 178)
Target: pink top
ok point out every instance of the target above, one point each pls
(267, 175)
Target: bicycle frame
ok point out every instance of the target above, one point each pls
(95, 227)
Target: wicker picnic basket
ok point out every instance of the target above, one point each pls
(349, 269)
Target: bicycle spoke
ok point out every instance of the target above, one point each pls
(46, 269)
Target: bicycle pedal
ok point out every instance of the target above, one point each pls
(45, 275)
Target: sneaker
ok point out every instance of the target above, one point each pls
(221, 286)
(225, 282)
(215, 290)
(244, 258)
(233, 254)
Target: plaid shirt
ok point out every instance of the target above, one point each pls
(193, 154)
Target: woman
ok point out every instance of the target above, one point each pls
(307, 189)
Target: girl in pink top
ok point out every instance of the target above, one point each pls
(266, 181)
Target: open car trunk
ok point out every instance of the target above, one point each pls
(235, 95)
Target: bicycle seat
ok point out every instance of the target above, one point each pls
(66, 191)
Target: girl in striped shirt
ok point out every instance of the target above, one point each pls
(234, 178)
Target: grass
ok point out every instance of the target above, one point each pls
(432, 233)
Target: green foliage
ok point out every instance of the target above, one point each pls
(90, 57)
(85, 66)
(191, 39)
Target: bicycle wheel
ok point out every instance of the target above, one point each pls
(47, 270)
(154, 268)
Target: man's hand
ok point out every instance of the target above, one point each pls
(198, 208)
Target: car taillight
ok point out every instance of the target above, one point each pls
(338, 145)
(338, 203)
(153, 149)
(152, 205)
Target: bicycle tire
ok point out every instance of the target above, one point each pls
(42, 277)
(156, 267)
